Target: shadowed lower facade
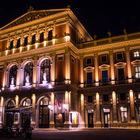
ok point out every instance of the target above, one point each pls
(55, 74)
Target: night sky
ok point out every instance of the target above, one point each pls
(97, 16)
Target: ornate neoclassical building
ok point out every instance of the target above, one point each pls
(55, 74)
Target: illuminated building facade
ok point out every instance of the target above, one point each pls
(55, 74)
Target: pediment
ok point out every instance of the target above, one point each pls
(31, 16)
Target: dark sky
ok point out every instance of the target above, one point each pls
(97, 16)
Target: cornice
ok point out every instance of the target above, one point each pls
(111, 46)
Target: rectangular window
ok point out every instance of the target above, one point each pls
(119, 56)
(105, 98)
(90, 99)
(89, 78)
(104, 76)
(104, 59)
(136, 54)
(137, 71)
(121, 74)
(88, 61)
(60, 57)
(122, 96)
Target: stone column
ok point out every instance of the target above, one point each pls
(53, 69)
(35, 72)
(14, 42)
(33, 123)
(52, 110)
(16, 114)
(114, 107)
(66, 109)
(67, 68)
(96, 70)
(38, 75)
(81, 72)
(128, 62)
(29, 39)
(37, 36)
(98, 114)
(132, 107)
(1, 111)
(18, 78)
(82, 110)
(5, 76)
(112, 72)
(21, 78)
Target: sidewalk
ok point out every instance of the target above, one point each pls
(84, 129)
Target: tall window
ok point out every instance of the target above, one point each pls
(137, 71)
(136, 54)
(26, 41)
(28, 73)
(124, 115)
(89, 78)
(18, 43)
(50, 35)
(104, 76)
(45, 71)
(121, 74)
(12, 75)
(11, 44)
(33, 39)
(42, 37)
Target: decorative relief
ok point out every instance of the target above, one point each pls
(33, 15)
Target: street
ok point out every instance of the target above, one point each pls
(85, 134)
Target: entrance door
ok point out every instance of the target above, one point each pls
(90, 120)
(9, 119)
(43, 116)
(24, 117)
(106, 119)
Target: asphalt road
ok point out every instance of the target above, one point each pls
(91, 134)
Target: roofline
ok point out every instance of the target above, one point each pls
(63, 9)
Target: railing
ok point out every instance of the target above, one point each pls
(110, 40)
(109, 82)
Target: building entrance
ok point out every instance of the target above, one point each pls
(44, 113)
(106, 117)
(90, 119)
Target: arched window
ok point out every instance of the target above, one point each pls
(26, 41)
(10, 104)
(11, 44)
(50, 35)
(28, 74)
(12, 75)
(45, 71)
(26, 102)
(18, 43)
(42, 37)
(9, 114)
(33, 39)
